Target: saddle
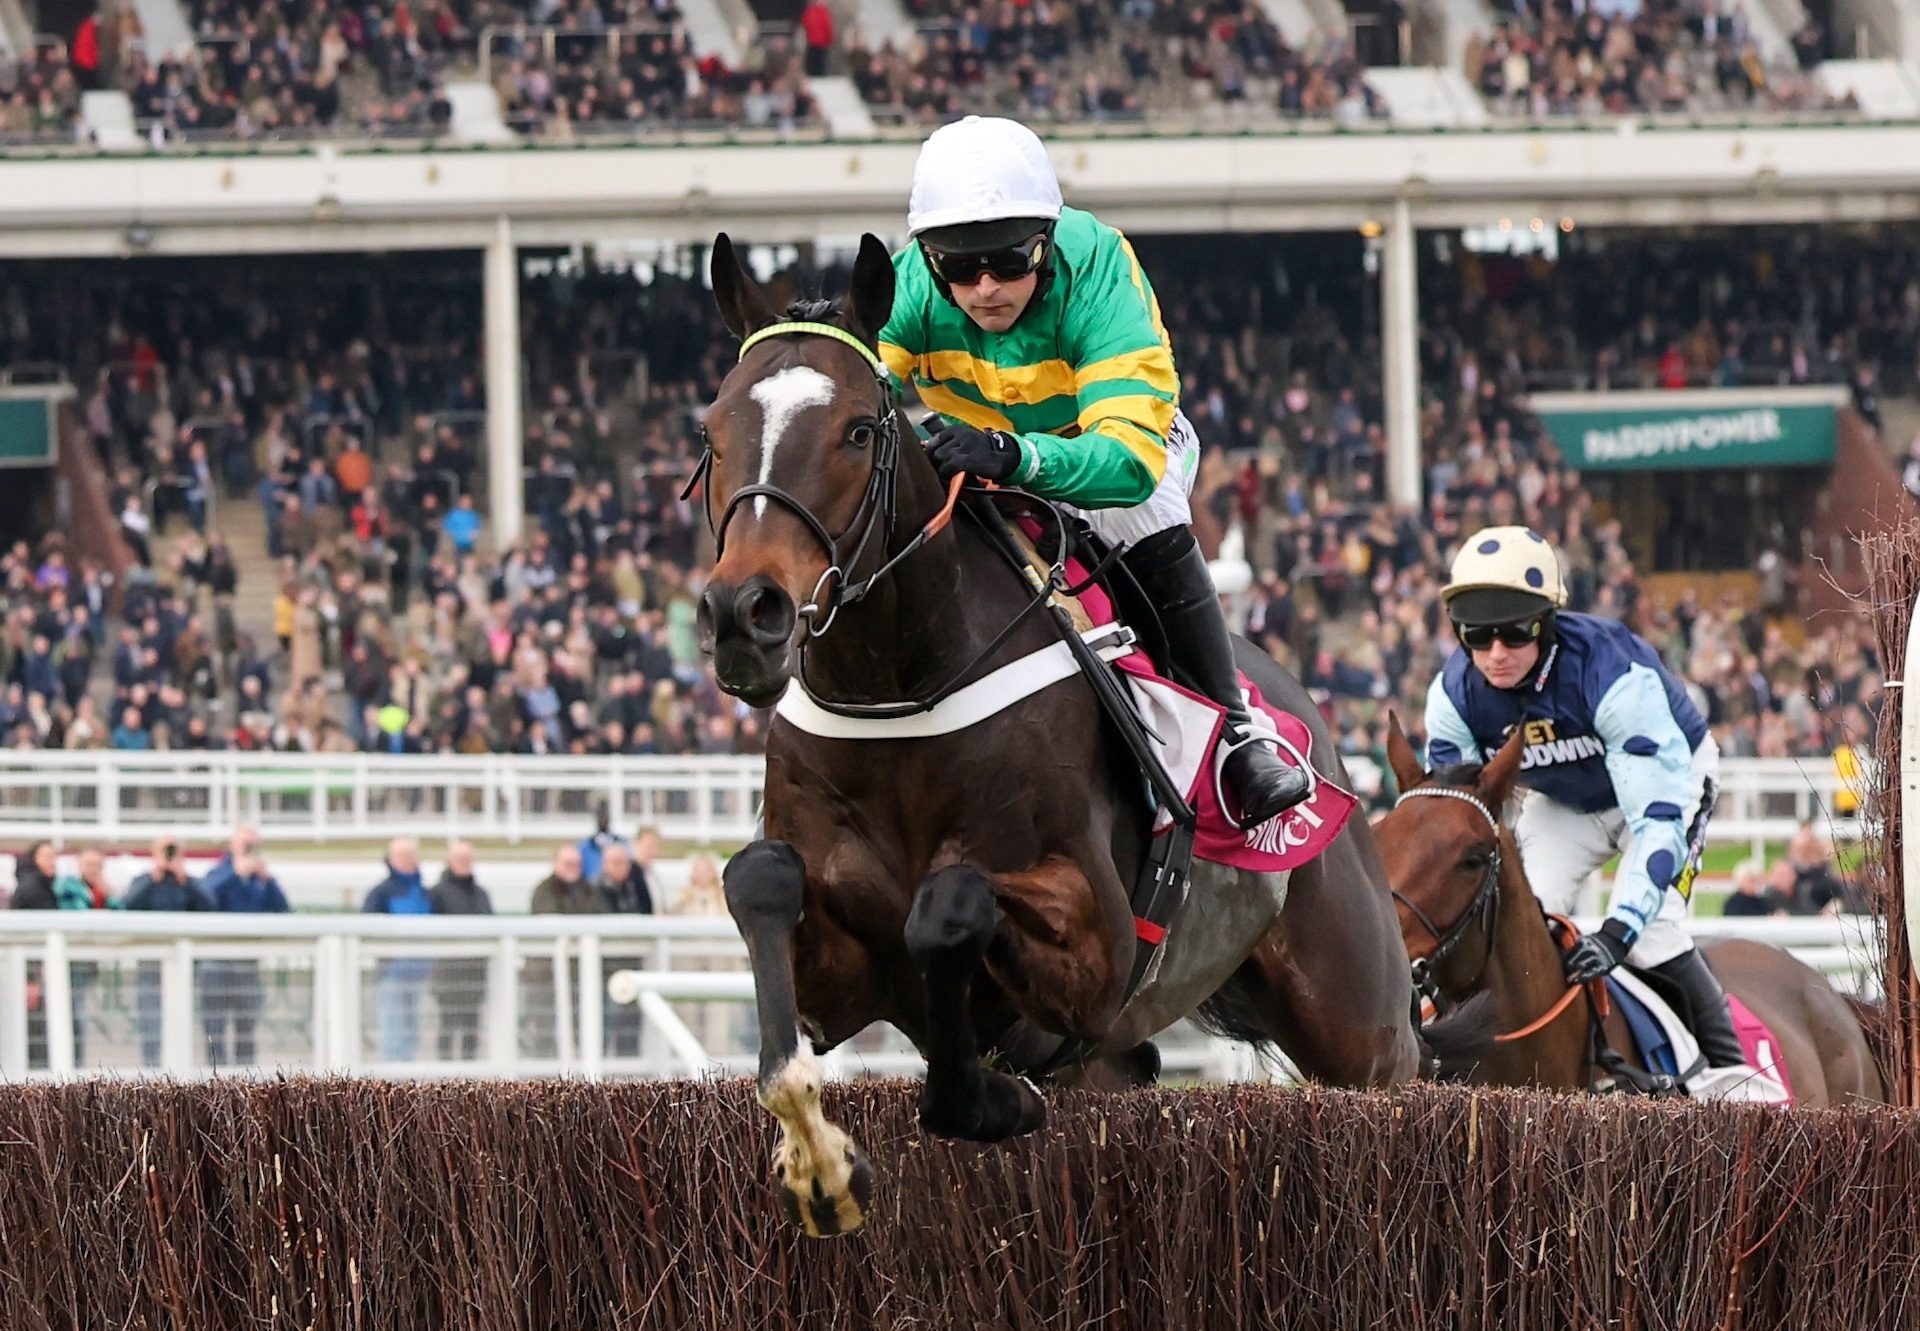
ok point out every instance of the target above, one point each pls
(1660, 1022)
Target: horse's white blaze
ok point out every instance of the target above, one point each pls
(781, 397)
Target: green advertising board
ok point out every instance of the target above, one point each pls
(1791, 427)
(27, 419)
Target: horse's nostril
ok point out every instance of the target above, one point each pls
(767, 613)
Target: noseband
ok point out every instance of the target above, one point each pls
(876, 512)
(1480, 910)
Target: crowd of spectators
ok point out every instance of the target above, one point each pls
(39, 97)
(398, 625)
(645, 76)
(1558, 59)
(1104, 60)
(562, 67)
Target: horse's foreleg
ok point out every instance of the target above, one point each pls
(954, 917)
(824, 1180)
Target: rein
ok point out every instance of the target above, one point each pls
(1481, 909)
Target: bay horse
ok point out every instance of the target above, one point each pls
(1468, 913)
(971, 888)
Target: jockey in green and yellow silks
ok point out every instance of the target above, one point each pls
(1033, 331)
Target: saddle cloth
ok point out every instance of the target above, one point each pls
(1186, 728)
(1665, 1045)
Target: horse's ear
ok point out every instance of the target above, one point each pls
(871, 301)
(1496, 778)
(1407, 771)
(743, 307)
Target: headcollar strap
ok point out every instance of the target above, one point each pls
(807, 328)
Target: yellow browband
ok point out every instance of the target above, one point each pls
(799, 327)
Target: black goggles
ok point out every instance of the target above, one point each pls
(1008, 265)
(1479, 637)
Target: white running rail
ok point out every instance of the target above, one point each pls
(127, 994)
(107, 796)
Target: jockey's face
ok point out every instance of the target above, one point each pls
(995, 305)
(1504, 666)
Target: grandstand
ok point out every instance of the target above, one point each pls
(373, 344)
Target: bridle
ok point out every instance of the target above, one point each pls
(876, 512)
(1481, 910)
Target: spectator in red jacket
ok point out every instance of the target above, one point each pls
(816, 24)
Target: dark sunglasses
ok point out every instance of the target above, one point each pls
(1008, 265)
(1479, 637)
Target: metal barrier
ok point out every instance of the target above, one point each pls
(193, 995)
(320, 797)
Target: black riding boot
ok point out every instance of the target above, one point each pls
(1170, 569)
(1712, 1022)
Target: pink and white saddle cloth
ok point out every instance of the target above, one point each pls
(1185, 728)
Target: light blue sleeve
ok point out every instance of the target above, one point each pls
(1651, 765)
(1449, 737)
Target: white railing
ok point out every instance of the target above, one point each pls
(322, 797)
(318, 798)
(132, 994)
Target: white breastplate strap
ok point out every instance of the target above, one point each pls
(985, 697)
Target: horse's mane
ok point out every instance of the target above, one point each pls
(814, 309)
(1459, 774)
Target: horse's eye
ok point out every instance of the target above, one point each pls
(1476, 859)
(861, 435)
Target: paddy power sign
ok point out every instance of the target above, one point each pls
(1792, 427)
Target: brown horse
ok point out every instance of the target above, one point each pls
(1468, 913)
(971, 887)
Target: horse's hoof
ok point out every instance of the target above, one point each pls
(1002, 1107)
(823, 1208)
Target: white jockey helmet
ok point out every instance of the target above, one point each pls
(1503, 575)
(982, 183)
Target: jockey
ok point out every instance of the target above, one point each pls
(1618, 761)
(1032, 330)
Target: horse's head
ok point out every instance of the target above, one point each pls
(803, 443)
(1442, 854)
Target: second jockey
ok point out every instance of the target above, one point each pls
(1618, 761)
(1032, 330)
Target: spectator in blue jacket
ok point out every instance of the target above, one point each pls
(399, 982)
(594, 847)
(231, 995)
(462, 525)
(166, 885)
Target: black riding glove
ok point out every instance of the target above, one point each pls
(1597, 953)
(992, 455)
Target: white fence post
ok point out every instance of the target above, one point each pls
(13, 1015)
(346, 1006)
(593, 1026)
(562, 1006)
(176, 1008)
(503, 1006)
(56, 1000)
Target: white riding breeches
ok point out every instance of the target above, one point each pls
(1560, 847)
(1167, 506)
